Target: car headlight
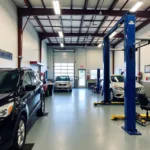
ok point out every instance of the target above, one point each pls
(6, 110)
(119, 88)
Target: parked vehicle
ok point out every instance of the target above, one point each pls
(21, 95)
(62, 83)
(117, 87)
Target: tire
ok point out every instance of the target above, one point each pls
(70, 90)
(20, 134)
(41, 111)
(112, 98)
(47, 92)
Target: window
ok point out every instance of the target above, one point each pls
(93, 74)
(117, 78)
(63, 78)
(26, 79)
(34, 78)
(8, 81)
(64, 69)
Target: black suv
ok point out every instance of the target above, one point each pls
(21, 95)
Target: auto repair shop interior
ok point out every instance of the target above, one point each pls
(74, 74)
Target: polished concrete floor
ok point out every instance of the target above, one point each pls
(74, 124)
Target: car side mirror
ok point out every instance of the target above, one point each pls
(30, 87)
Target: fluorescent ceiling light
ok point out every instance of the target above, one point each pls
(61, 44)
(99, 45)
(136, 6)
(112, 35)
(56, 7)
(60, 34)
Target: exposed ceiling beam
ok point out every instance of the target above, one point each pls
(45, 35)
(71, 44)
(76, 27)
(92, 21)
(142, 25)
(82, 18)
(48, 19)
(105, 18)
(36, 18)
(85, 20)
(42, 11)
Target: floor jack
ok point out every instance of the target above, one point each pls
(140, 118)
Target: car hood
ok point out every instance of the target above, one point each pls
(6, 98)
(121, 84)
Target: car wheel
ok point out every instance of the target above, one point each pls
(47, 92)
(112, 98)
(71, 90)
(42, 107)
(20, 135)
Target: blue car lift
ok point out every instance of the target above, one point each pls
(129, 63)
(98, 81)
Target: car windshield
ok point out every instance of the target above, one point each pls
(63, 78)
(8, 81)
(117, 78)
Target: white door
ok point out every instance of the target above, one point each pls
(82, 80)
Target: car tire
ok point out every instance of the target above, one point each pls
(70, 90)
(112, 98)
(47, 92)
(20, 134)
(41, 111)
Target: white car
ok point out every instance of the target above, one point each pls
(62, 83)
(117, 87)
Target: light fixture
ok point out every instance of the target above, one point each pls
(99, 45)
(136, 6)
(56, 7)
(112, 35)
(61, 45)
(60, 34)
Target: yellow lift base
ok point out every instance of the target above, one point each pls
(112, 103)
(140, 118)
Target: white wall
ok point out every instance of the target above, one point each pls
(90, 59)
(9, 41)
(8, 32)
(145, 54)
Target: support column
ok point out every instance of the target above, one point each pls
(40, 52)
(106, 61)
(113, 62)
(20, 22)
(129, 45)
(98, 81)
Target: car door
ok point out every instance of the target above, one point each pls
(37, 92)
(28, 96)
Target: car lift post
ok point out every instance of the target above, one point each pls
(98, 81)
(129, 61)
(106, 59)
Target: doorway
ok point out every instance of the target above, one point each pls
(82, 80)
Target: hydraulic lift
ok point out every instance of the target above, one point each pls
(129, 63)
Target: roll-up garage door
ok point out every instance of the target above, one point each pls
(64, 64)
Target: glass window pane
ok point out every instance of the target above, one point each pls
(71, 68)
(57, 64)
(70, 64)
(93, 74)
(56, 71)
(70, 71)
(63, 67)
(57, 68)
(63, 64)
